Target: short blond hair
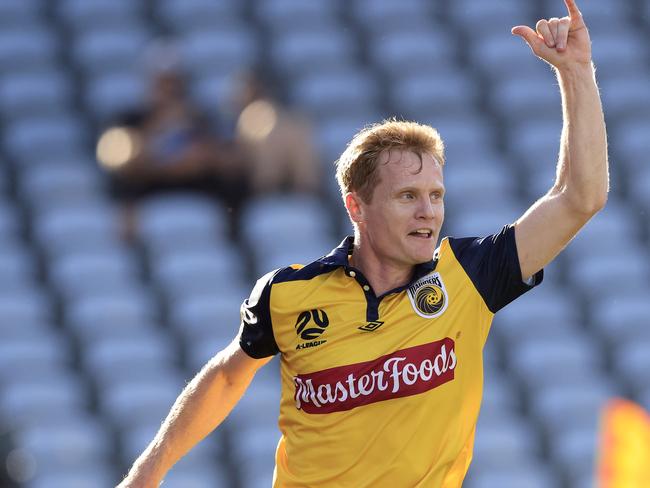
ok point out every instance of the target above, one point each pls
(356, 169)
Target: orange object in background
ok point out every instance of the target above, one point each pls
(624, 450)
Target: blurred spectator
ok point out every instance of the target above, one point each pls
(170, 146)
(279, 140)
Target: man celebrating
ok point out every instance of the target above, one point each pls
(381, 340)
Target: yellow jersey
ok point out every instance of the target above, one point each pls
(381, 391)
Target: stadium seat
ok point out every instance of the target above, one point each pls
(600, 15)
(10, 225)
(496, 54)
(40, 356)
(121, 306)
(42, 93)
(204, 345)
(186, 15)
(334, 133)
(379, 16)
(518, 99)
(200, 272)
(639, 186)
(27, 48)
(131, 403)
(574, 450)
(66, 443)
(26, 402)
(501, 443)
(570, 406)
(621, 317)
(626, 95)
(527, 475)
(312, 51)
(229, 50)
(287, 223)
(20, 12)
(32, 139)
(74, 229)
(484, 220)
(91, 476)
(477, 18)
(472, 183)
(110, 50)
(26, 305)
(261, 443)
(336, 93)
(416, 51)
(631, 359)
(535, 143)
(134, 439)
(558, 358)
(94, 273)
(619, 52)
(97, 14)
(208, 313)
(633, 144)
(627, 271)
(433, 95)
(115, 357)
(48, 185)
(286, 15)
(181, 221)
(204, 473)
(113, 94)
(613, 230)
(259, 407)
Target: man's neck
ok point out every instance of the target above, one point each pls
(382, 275)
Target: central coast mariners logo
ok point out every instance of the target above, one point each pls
(428, 296)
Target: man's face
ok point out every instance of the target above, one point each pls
(402, 222)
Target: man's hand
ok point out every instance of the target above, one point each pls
(560, 42)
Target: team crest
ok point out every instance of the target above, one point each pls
(428, 296)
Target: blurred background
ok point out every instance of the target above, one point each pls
(156, 157)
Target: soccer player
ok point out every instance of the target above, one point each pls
(381, 340)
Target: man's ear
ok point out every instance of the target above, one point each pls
(354, 206)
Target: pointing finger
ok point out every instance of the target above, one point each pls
(571, 6)
(562, 33)
(544, 30)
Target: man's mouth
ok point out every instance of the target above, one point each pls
(422, 233)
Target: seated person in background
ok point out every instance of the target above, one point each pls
(279, 140)
(170, 146)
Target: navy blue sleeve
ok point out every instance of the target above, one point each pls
(256, 331)
(492, 264)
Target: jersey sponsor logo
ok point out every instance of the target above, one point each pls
(310, 324)
(403, 373)
(371, 326)
(428, 296)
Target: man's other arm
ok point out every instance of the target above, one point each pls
(204, 403)
(582, 179)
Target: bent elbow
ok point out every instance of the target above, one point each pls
(596, 204)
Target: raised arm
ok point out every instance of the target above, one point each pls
(582, 179)
(198, 410)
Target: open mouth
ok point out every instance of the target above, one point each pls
(422, 233)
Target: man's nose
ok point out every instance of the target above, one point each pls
(426, 210)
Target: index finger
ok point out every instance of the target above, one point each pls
(571, 6)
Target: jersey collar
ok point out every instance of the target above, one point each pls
(340, 257)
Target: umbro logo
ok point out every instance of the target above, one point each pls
(371, 326)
